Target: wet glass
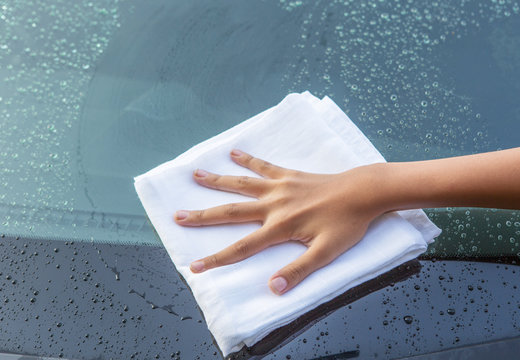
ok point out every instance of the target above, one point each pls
(95, 92)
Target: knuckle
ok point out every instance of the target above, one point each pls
(241, 248)
(215, 179)
(199, 215)
(285, 184)
(265, 165)
(248, 158)
(232, 210)
(243, 181)
(295, 272)
(212, 261)
(283, 226)
(292, 174)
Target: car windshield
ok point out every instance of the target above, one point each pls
(95, 92)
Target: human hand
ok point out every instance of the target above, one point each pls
(328, 213)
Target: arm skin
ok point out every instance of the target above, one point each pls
(483, 180)
(330, 213)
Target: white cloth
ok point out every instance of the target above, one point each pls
(302, 133)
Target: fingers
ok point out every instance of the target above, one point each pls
(223, 214)
(242, 249)
(260, 167)
(294, 273)
(245, 185)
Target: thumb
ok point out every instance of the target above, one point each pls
(291, 275)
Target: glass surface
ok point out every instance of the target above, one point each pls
(95, 92)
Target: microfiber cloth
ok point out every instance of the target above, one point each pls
(302, 133)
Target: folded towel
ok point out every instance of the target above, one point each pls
(299, 133)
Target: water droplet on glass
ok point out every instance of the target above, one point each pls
(451, 311)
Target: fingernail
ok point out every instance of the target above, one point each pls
(236, 152)
(197, 266)
(279, 284)
(201, 173)
(181, 215)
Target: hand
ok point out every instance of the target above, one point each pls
(327, 213)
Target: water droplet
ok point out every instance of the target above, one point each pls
(451, 311)
(408, 319)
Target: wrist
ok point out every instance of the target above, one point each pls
(384, 186)
(392, 189)
(371, 188)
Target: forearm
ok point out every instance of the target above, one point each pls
(482, 180)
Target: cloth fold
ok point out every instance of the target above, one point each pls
(302, 133)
